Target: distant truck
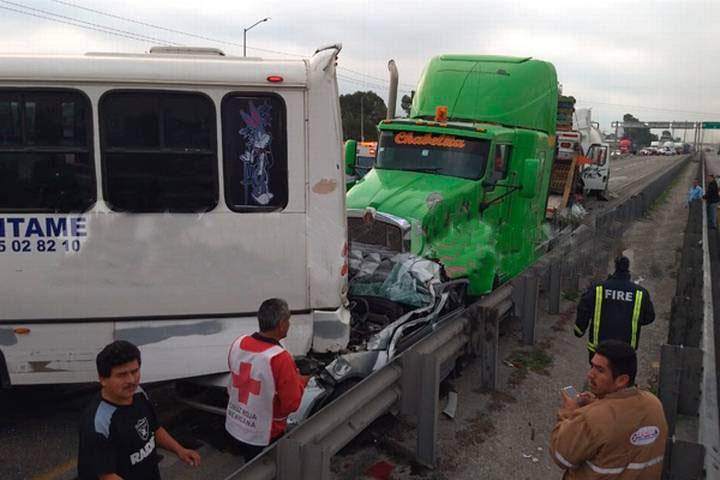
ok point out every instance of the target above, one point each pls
(359, 159)
(595, 171)
(581, 163)
(625, 146)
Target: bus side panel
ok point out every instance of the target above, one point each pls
(116, 269)
(193, 348)
(54, 353)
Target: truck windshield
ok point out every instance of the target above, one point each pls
(433, 153)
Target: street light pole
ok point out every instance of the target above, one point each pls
(245, 30)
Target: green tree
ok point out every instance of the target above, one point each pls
(365, 108)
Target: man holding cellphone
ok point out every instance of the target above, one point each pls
(615, 431)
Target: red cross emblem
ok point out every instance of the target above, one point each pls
(245, 384)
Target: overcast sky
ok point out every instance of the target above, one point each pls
(656, 59)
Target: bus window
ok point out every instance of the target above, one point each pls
(159, 151)
(46, 162)
(255, 151)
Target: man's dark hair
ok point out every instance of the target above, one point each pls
(622, 359)
(271, 312)
(117, 353)
(622, 264)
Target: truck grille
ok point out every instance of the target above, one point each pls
(375, 233)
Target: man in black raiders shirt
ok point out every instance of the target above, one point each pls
(119, 430)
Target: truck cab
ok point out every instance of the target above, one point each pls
(595, 172)
(464, 179)
(359, 159)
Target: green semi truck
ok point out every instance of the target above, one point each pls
(464, 180)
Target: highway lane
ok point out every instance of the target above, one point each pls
(625, 171)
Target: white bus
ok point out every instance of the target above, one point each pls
(160, 198)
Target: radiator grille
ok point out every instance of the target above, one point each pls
(375, 233)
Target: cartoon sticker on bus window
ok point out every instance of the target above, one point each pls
(257, 158)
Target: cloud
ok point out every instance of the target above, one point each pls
(654, 58)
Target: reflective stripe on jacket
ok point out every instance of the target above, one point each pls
(621, 436)
(597, 319)
(615, 309)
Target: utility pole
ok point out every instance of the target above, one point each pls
(362, 118)
(245, 30)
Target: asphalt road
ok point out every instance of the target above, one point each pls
(38, 425)
(626, 171)
(38, 434)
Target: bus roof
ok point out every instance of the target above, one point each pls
(183, 68)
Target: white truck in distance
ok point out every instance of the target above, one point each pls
(596, 174)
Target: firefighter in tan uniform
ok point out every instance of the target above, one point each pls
(616, 432)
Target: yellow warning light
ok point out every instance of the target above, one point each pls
(441, 114)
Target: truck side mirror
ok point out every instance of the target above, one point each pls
(529, 178)
(350, 156)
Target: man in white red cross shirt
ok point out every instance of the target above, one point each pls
(265, 385)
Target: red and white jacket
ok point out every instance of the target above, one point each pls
(264, 389)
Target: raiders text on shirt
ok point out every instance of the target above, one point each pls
(141, 454)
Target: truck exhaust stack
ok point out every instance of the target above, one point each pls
(392, 94)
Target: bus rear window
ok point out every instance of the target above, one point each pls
(46, 162)
(159, 151)
(255, 152)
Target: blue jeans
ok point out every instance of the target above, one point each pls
(712, 214)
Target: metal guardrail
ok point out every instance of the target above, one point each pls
(709, 428)
(688, 382)
(583, 251)
(410, 383)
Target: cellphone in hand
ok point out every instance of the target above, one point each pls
(570, 392)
